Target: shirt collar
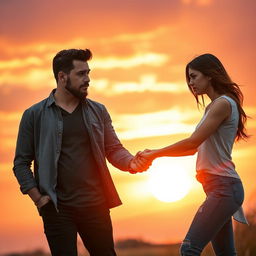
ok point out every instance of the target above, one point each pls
(51, 99)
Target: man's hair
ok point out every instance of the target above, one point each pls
(63, 61)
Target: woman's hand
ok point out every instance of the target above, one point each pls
(149, 154)
(139, 164)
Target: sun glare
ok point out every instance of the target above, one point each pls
(169, 180)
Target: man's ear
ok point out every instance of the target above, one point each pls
(62, 76)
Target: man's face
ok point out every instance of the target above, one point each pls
(78, 79)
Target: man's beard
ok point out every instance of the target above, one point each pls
(76, 92)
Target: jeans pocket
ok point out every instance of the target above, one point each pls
(45, 206)
(238, 192)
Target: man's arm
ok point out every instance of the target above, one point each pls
(24, 156)
(23, 159)
(116, 154)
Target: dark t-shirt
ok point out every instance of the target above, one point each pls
(78, 181)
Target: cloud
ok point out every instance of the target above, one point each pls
(161, 123)
(198, 2)
(143, 102)
(152, 59)
(37, 69)
(17, 63)
(57, 20)
(17, 98)
(33, 78)
(147, 82)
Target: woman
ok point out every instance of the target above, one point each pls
(223, 123)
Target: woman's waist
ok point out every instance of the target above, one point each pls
(205, 171)
(210, 181)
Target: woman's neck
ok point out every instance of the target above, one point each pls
(213, 95)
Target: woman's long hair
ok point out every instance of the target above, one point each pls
(211, 66)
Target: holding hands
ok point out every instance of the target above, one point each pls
(142, 161)
(149, 154)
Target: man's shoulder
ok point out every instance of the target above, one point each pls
(94, 104)
(38, 107)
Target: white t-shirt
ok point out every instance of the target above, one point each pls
(214, 154)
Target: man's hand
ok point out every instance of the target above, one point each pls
(38, 199)
(139, 164)
(42, 201)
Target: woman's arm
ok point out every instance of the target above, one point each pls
(218, 112)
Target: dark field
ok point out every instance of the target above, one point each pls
(245, 237)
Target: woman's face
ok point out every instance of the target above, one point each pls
(198, 82)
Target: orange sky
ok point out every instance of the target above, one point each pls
(140, 50)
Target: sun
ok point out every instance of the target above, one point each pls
(168, 179)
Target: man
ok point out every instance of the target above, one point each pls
(68, 138)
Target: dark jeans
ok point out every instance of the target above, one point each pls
(92, 223)
(212, 222)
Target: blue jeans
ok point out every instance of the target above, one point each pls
(212, 222)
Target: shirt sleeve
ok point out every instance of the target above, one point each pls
(116, 154)
(25, 153)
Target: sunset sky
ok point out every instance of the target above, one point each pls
(140, 51)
